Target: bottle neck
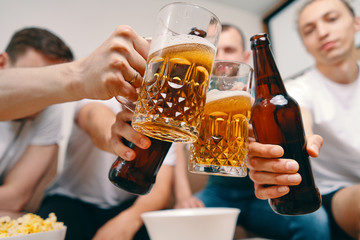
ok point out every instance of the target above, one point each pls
(268, 81)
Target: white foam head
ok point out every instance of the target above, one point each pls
(215, 94)
(167, 41)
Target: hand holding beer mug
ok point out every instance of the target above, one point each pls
(222, 146)
(182, 51)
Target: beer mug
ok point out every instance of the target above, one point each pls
(222, 146)
(182, 51)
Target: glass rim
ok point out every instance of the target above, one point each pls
(232, 61)
(193, 5)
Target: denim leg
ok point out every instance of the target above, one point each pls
(218, 196)
(257, 216)
(261, 219)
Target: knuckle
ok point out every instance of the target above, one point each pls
(119, 63)
(278, 166)
(255, 176)
(253, 163)
(279, 179)
(124, 31)
(121, 48)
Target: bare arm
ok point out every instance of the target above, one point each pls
(127, 223)
(100, 123)
(101, 75)
(20, 182)
(107, 129)
(96, 120)
(182, 189)
(307, 121)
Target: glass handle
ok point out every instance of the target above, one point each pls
(126, 103)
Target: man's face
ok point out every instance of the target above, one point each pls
(327, 29)
(230, 46)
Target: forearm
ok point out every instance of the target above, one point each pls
(159, 196)
(307, 121)
(96, 120)
(18, 184)
(29, 90)
(13, 200)
(182, 189)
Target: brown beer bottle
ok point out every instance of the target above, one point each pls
(276, 119)
(138, 176)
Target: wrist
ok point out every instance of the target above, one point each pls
(132, 216)
(74, 80)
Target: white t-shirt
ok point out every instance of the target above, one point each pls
(336, 116)
(85, 173)
(17, 135)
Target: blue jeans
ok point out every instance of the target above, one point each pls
(257, 216)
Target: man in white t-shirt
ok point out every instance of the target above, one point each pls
(328, 96)
(83, 197)
(28, 145)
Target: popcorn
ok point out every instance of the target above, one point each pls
(27, 224)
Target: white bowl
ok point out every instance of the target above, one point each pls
(191, 223)
(58, 234)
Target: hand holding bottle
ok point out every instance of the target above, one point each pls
(271, 174)
(276, 119)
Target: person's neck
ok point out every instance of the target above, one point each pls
(344, 72)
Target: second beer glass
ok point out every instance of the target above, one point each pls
(222, 146)
(182, 51)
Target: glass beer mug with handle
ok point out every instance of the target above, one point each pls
(276, 119)
(182, 51)
(222, 146)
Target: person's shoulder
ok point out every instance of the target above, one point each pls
(111, 103)
(50, 113)
(304, 76)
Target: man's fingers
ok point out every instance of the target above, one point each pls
(278, 165)
(265, 150)
(269, 192)
(314, 143)
(121, 128)
(266, 178)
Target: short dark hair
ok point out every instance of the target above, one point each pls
(227, 26)
(41, 40)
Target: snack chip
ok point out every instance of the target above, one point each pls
(27, 224)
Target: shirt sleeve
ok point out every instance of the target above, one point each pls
(300, 91)
(112, 103)
(170, 156)
(47, 126)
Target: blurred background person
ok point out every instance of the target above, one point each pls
(328, 95)
(28, 145)
(83, 197)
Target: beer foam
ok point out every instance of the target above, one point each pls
(168, 41)
(214, 95)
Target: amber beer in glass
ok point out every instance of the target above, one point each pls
(222, 146)
(276, 119)
(138, 176)
(172, 96)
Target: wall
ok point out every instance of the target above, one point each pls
(85, 24)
